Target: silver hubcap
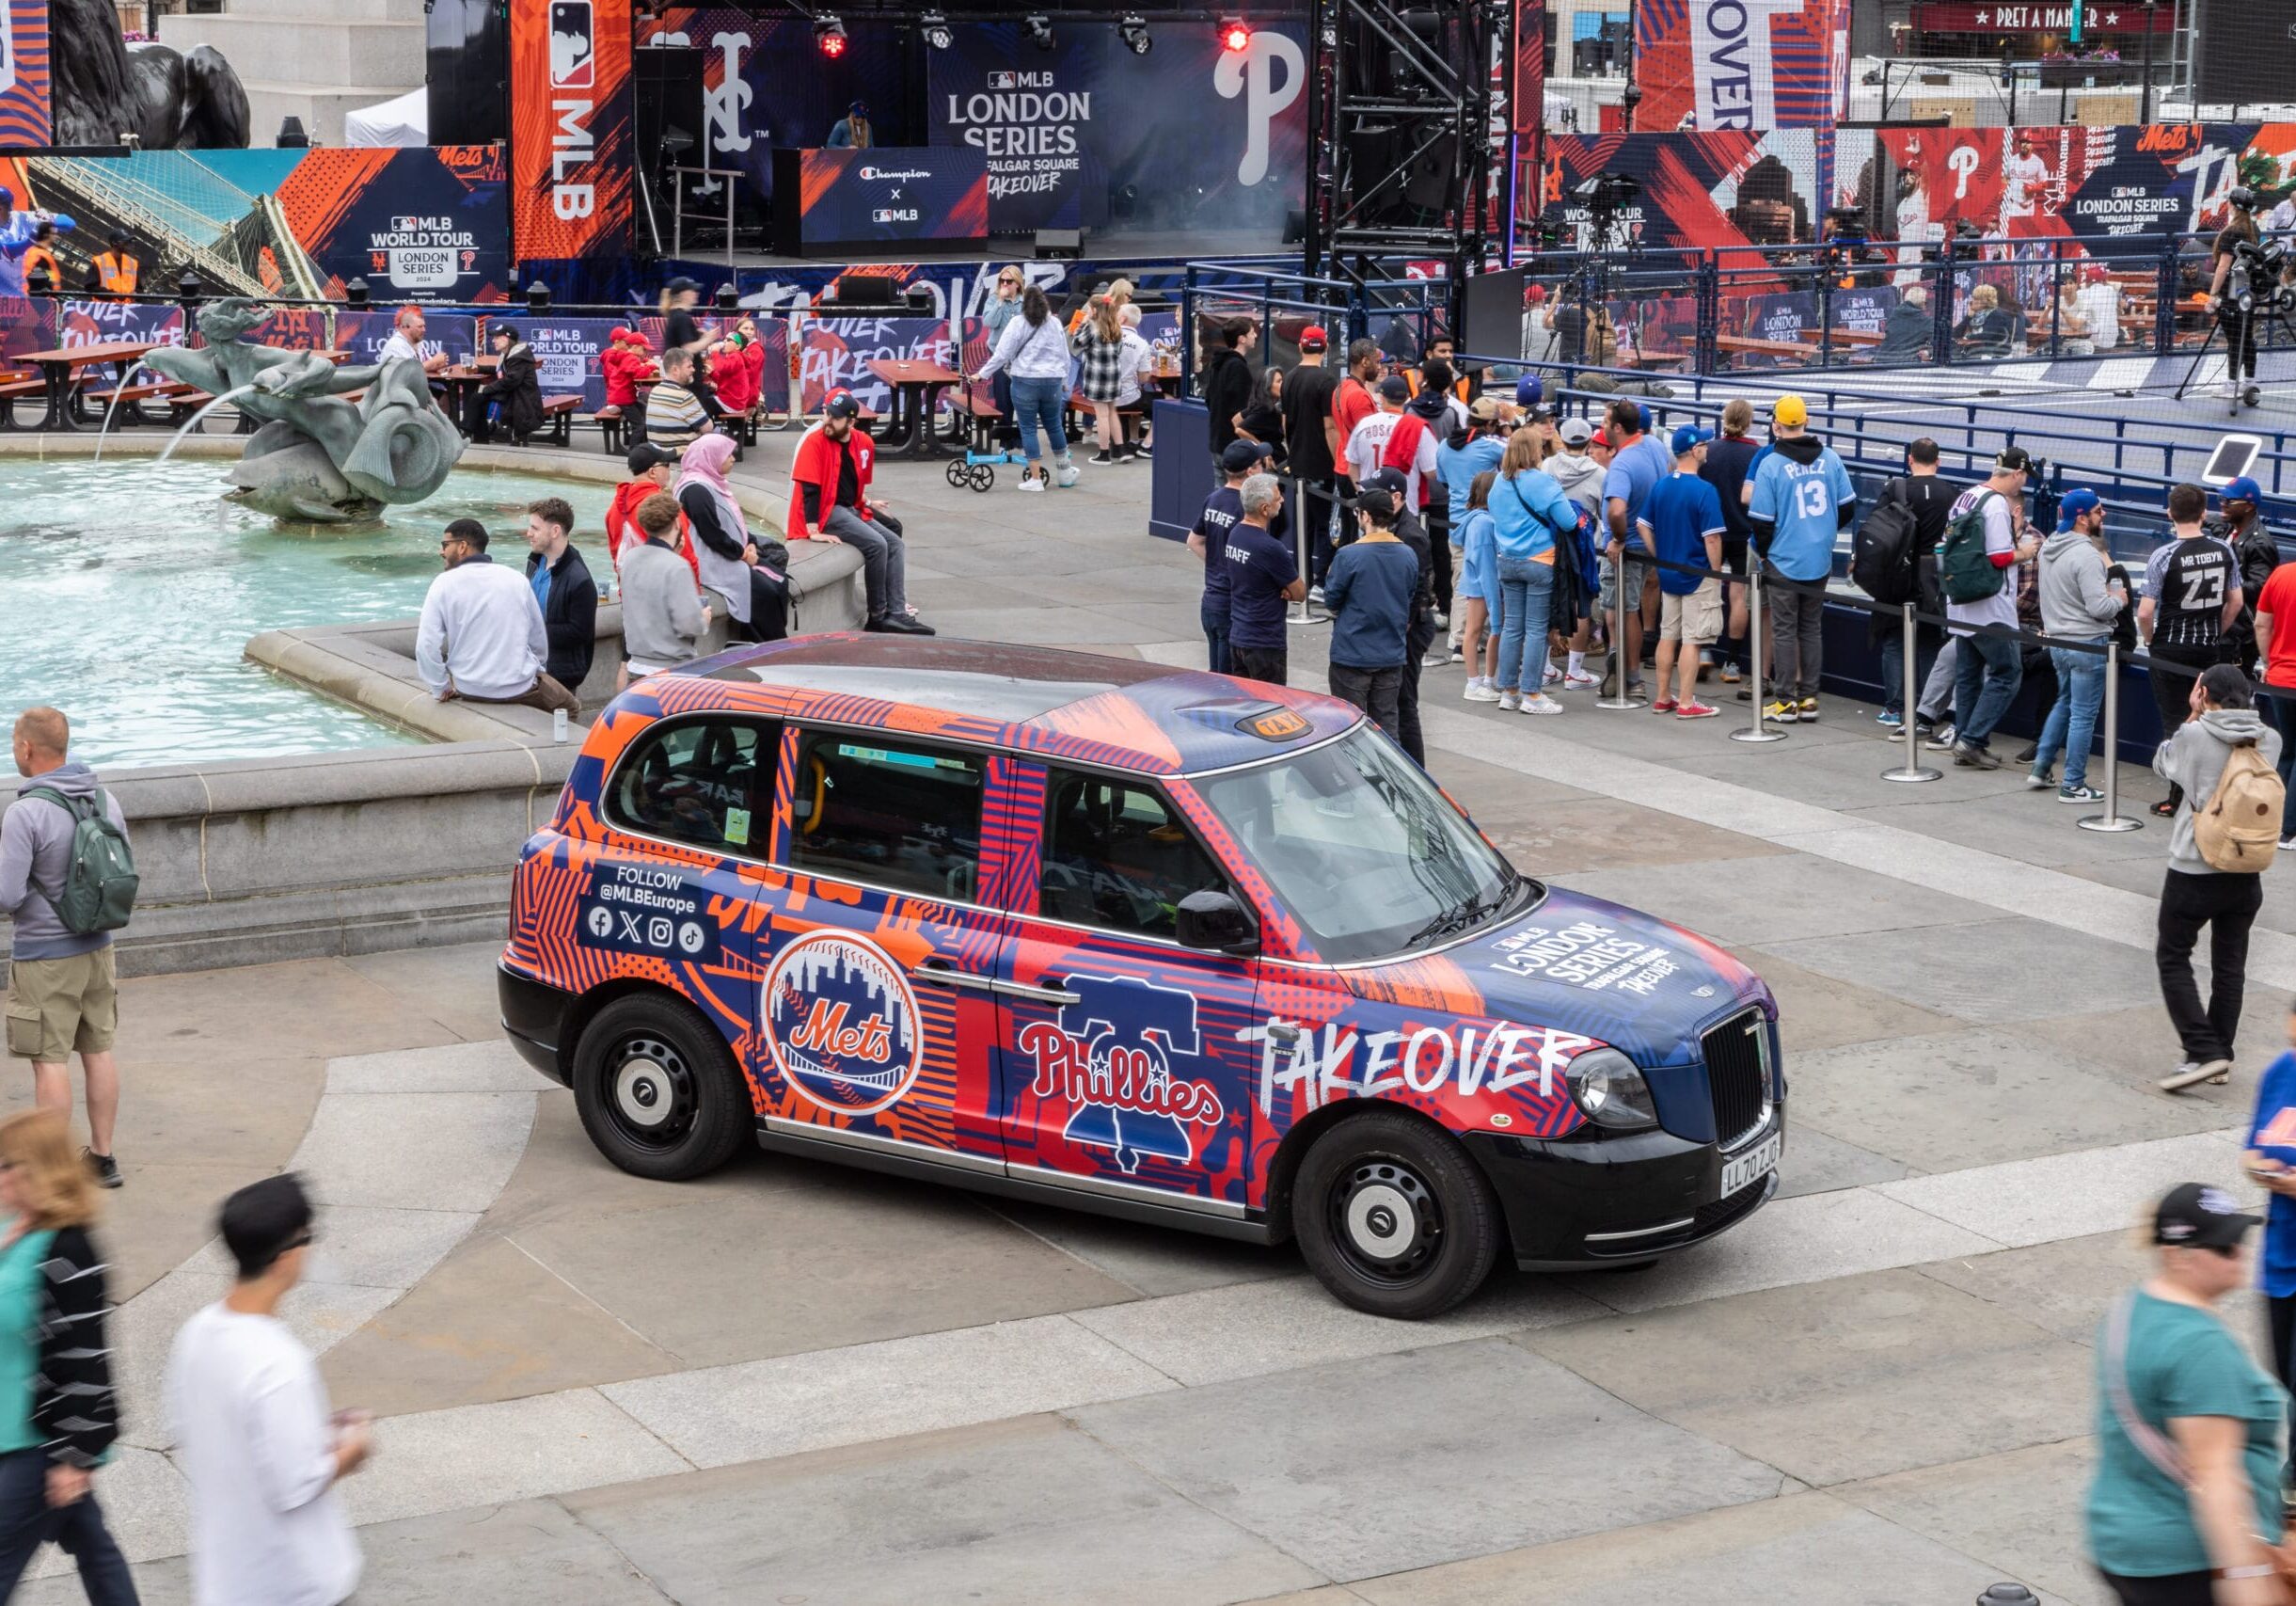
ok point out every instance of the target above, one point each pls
(1381, 1220)
(641, 1092)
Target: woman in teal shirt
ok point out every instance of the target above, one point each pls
(2185, 1497)
(58, 1415)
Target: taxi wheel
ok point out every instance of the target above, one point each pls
(657, 1090)
(1393, 1217)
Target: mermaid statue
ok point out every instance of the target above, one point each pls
(318, 455)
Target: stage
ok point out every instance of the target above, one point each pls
(1102, 247)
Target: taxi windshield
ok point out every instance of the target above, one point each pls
(1362, 849)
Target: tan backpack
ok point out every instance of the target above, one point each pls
(2238, 829)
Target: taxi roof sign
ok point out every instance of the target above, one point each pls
(1274, 723)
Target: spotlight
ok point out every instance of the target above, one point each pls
(1041, 31)
(1135, 36)
(936, 28)
(1235, 34)
(830, 36)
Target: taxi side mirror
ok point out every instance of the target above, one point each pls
(1212, 919)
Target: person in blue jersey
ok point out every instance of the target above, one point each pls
(1682, 520)
(1802, 501)
(1531, 514)
(1465, 453)
(1638, 463)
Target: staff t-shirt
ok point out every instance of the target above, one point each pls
(1682, 511)
(1258, 568)
(2272, 1129)
(2278, 598)
(1223, 511)
(2188, 579)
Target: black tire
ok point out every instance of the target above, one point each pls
(1394, 1217)
(658, 1089)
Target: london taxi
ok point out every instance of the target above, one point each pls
(1149, 942)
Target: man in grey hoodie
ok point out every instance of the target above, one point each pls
(2079, 603)
(62, 991)
(663, 617)
(2194, 895)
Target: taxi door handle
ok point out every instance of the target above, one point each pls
(1282, 1031)
(947, 974)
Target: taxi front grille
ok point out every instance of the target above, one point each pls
(1737, 1074)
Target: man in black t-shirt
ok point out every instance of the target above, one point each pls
(1930, 500)
(2191, 601)
(1306, 404)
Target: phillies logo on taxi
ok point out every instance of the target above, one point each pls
(841, 1021)
(1108, 1056)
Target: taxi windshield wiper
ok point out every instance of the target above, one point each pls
(1461, 916)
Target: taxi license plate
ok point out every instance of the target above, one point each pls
(1753, 1166)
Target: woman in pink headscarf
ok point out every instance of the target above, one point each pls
(754, 584)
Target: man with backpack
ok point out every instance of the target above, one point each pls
(68, 881)
(2193, 598)
(1893, 559)
(1985, 539)
(2223, 761)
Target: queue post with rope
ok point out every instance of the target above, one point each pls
(2112, 819)
(1303, 610)
(1913, 770)
(1758, 730)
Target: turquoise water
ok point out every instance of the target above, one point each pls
(130, 591)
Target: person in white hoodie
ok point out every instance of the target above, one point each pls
(2196, 894)
(2079, 605)
(481, 637)
(1579, 468)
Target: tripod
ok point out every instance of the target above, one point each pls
(2254, 323)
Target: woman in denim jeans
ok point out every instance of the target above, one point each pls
(1036, 349)
(1530, 511)
(2078, 604)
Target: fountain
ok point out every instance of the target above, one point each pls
(318, 456)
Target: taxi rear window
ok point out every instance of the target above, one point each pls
(891, 813)
(701, 782)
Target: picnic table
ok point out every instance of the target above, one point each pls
(917, 387)
(61, 367)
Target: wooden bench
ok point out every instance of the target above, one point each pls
(609, 420)
(14, 391)
(559, 413)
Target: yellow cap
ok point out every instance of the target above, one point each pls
(1791, 411)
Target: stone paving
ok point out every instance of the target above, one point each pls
(793, 1383)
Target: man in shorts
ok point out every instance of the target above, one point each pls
(1682, 524)
(62, 992)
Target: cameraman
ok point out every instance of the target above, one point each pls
(2239, 248)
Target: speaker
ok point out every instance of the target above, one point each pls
(467, 70)
(868, 290)
(2247, 52)
(665, 92)
(1491, 312)
(1059, 243)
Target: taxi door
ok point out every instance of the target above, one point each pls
(876, 1015)
(1125, 1068)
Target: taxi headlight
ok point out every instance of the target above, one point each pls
(1610, 1089)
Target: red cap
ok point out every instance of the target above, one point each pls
(619, 334)
(1535, 293)
(2095, 273)
(1312, 338)
(1601, 440)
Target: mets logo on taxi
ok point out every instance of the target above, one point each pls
(842, 1021)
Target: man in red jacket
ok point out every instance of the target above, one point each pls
(653, 470)
(828, 501)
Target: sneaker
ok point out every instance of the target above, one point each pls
(1969, 755)
(1896, 721)
(1729, 674)
(1745, 694)
(1443, 619)
(1437, 659)
(1069, 474)
(1941, 739)
(102, 1168)
(1101, 457)
(1663, 706)
(1608, 686)
(1579, 680)
(1509, 702)
(1783, 712)
(1315, 595)
(2039, 781)
(1030, 483)
(1809, 710)
(1635, 687)
(2192, 1072)
(1478, 692)
(2090, 795)
(2028, 753)
(1456, 655)
(2287, 844)
(1539, 703)
(1696, 712)
(1551, 676)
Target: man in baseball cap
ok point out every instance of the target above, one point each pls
(653, 470)
(2081, 602)
(1313, 339)
(1394, 438)
(1789, 412)
(1241, 457)
(1577, 434)
(2199, 1216)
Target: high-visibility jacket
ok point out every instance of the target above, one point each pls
(117, 273)
(38, 257)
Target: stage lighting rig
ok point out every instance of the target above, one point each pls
(1235, 34)
(1135, 35)
(830, 36)
(935, 30)
(1041, 31)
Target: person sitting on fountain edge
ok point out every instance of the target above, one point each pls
(563, 590)
(513, 394)
(481, 638)
(828, 501)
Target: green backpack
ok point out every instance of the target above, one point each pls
(100, 880)
(1965, 571)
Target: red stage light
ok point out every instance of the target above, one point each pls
(833, 45)
(1235, 36)
(830, 36)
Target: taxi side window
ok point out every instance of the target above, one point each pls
(889, 812)
(703, 782)
(1117, 856)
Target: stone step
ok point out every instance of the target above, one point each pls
(298, 51)
(320, 106)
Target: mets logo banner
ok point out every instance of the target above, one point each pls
(25, 119)
(571, 136)
(1752, 65)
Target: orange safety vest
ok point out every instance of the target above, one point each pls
(117, 274)
(36, 257)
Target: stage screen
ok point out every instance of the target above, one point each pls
(1698, 190)
(1748, 64)
(1189, 137)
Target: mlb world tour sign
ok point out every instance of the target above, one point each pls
(571, 136)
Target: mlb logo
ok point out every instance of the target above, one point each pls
(573, 45)
(1004, 81)
(884, 214)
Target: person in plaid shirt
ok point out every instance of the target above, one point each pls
(1098, 344)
